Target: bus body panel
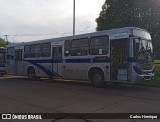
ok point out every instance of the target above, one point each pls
(50, 57)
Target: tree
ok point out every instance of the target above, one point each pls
(136, 13)
(3, 43)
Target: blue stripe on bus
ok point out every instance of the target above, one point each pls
(131, 59)
(88, 60)
(85, 60)
(77, 60)
(49, 72)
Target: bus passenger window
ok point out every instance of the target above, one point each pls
(10, 53)
(35, 50)
(18, 55)
(46, 50)
(67, 46)
(26, 51)
(99, 45)
(2, 57)
(79, 47)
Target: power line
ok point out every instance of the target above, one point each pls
(33, 34)
(38, 34)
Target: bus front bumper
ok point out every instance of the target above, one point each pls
(141, 78)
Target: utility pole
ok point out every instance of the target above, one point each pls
(73, 17)
(6, 37)
(14, 38)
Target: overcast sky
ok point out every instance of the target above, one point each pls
(21, 17)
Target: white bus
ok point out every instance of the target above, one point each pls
(2, 60)
(116, 55)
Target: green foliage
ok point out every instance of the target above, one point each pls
(3, 43)
(157, 63)
(155, 81)
(132, 13)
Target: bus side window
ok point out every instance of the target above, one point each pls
(18, 54)
(46, 50)
(67, 46)
(99, 45)
(10, 53)
(26, 51)
(35, 50)
(2, 58)
(79, 47)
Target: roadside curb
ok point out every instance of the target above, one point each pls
(147, 85)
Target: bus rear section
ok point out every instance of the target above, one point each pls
(2, 61)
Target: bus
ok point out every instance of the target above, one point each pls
(122, 55)
(2, 60)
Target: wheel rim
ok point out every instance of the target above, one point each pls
(31, 74)
(97, 78)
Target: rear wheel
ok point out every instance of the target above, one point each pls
(98, 79)
(31, 74)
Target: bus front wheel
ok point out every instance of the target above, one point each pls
(98, 79)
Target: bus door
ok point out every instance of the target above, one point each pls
(18, 62)
(57, 60)
(119, 60)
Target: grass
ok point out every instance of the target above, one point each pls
(155, 81)
(157, 63)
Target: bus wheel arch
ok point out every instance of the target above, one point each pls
(31, 73)
(96, 76)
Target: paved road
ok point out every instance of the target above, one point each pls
(19, 95)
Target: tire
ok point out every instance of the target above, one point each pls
(98, 79)
(31, 74)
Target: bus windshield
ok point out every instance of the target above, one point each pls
(143, 52)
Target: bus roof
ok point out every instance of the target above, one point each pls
(126, 30)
